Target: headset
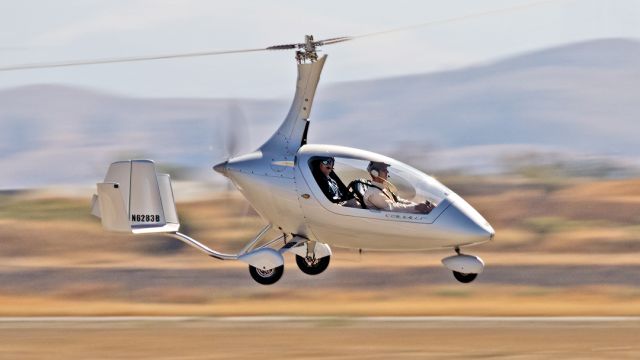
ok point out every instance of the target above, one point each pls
(372, 168)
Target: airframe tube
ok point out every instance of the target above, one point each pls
(218, 255)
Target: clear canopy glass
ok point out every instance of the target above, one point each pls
(404, 180)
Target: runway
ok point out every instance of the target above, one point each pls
(325, 337)
(293, 319)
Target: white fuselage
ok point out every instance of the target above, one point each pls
(288, 197)
(278, 182)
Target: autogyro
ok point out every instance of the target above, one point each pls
(281, 182)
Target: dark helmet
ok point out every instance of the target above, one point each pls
(327, 160)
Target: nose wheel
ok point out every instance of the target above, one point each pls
(464, 278)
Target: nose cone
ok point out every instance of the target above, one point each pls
(465, 224)
(221, 168)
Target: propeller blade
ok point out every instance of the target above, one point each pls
(237, 131)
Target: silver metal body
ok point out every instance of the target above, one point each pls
(278, 182)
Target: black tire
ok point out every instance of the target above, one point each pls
(313, 268)
(266, 277)
(464, 278)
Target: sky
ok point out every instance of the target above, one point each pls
(49, 31)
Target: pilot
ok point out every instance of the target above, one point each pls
(334, 190)
(379, 196)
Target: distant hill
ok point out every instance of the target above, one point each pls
(55, 134)
(581, 98)
(584, 96)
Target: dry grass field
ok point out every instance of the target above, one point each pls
(569, 248)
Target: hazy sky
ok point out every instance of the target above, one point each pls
(43, 31)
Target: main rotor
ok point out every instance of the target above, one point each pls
(305, 52)
(308, 50)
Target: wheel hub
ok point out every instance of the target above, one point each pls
(311, 261)
(265, 273)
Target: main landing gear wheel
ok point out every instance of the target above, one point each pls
(464, 278)
(311, 266)
(266, 277)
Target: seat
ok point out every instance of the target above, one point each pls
(322, 183)
(358, 188)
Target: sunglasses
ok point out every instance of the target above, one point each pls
(327, 162)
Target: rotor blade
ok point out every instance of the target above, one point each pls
(122, 60)
(333, 40)
(47, 65)
(275, 47)
(284, 47)
(456, 18)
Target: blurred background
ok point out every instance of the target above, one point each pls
(530, 114)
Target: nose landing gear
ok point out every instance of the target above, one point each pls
(465, 268)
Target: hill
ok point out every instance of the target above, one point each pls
(571, 101)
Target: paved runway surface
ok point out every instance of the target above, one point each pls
(43, 280)
(320, 337)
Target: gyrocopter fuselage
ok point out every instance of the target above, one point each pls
(280, 181)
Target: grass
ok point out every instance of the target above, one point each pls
(334, 339)
(533, 227)
(425, 301)
(44, 209)
(455, 293)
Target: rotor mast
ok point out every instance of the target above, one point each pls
(291, 133)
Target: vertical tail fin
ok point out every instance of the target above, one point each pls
(133, 197)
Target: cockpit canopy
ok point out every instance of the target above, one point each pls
(351, 164)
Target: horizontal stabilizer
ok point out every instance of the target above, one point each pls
(134, 198)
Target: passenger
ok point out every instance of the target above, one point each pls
(379, 196)
(334, 190)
